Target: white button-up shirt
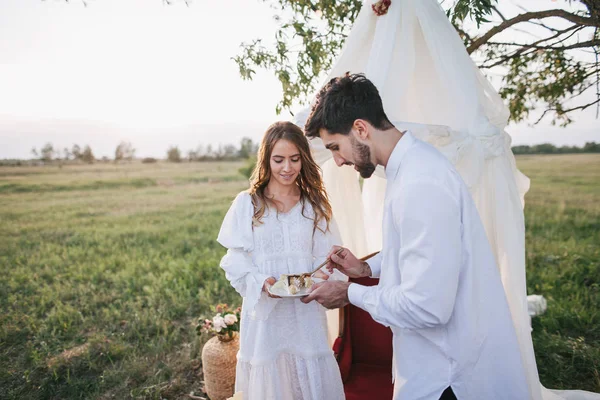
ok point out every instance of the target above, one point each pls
(440, 289)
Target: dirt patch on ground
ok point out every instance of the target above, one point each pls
(68, 355)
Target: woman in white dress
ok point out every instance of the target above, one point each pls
(281, 225)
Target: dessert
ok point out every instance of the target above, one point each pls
(294, 283)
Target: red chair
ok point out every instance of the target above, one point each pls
(364, 353)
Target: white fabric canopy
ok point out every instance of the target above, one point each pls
(430, 85)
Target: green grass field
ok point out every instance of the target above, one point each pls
(562, 216)
(105, 269)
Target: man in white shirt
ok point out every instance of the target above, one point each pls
(439, 290)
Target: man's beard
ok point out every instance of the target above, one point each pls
(362, 154)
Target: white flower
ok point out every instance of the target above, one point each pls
(218, 323)
(230, 319)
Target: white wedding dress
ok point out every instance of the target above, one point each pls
(284, 353)
(430, 85)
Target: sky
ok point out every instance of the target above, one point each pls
(152, 74)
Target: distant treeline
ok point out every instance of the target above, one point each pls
(125, 152)
(548, 148)
(229, 152)
(247, 149)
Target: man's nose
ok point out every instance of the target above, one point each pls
(339, 161)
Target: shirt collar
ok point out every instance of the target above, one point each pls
(393, 164)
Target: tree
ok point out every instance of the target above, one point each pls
(591, 147)
(247, 148)
(200, 155)
(209, 152)
(556, 68)
(66, 154)
(88, 156)
(57, 155)
(124, 151)
(192, 155)
(47, 152)
(119, 152)
(219, 153)
(229, 152)
(545, 148)
(76, 152)
(173, 154)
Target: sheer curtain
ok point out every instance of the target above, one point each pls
(430, 85)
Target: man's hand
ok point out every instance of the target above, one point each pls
(347, 263)
(268, 283)
(331, 294)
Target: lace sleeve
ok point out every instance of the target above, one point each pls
(236, 236)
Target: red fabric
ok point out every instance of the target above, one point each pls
(369, 382)
(365, 353)
(342, 347)
(371, 341)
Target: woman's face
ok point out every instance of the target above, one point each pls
(285, 162)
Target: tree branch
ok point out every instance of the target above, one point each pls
(499, 13)
(563, 112)
(551, 47)
(543, 25)
(546, 111)
(594, 83)
(524, 48)
(583, 107)
(477, 43)
(573, 28)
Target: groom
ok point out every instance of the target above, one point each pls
(439, 287)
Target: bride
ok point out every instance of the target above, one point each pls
(281, 225)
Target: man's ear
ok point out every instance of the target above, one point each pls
(361, 128)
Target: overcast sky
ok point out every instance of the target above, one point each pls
(151, 74)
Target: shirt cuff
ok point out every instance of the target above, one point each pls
(375, 265)
(356, 294)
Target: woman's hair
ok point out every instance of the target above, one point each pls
(309, 179)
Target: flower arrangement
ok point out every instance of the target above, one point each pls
(224, 323)
(381, 7)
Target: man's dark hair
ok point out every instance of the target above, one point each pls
(344, 100)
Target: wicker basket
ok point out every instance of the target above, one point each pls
(218, 366)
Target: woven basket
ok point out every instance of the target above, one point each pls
(218, 366)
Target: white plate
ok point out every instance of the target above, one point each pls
(278, 289)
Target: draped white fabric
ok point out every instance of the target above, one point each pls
(430, 85)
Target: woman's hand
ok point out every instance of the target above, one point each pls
(321, 275)
(268, 283)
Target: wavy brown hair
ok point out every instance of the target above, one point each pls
(309, 181)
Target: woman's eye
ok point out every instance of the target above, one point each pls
(295, 160)
(278, 161)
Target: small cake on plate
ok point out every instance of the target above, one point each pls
(294, 283)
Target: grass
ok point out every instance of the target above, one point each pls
(562, 216)
(89, 257)
(106, 268)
